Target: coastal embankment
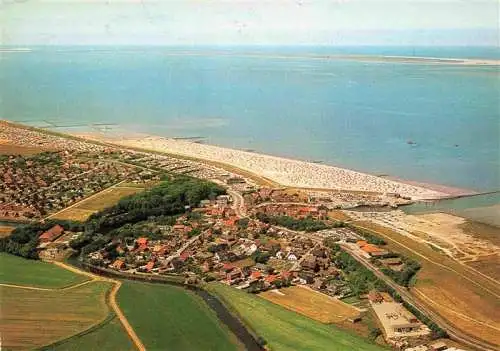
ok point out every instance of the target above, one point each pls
(287, 172)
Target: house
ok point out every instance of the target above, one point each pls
(233, 274)
(310, 263)
(375, 297)
(184, 255)
(228, 267)
(307, 276)
(207, 266)
(271, 279)
(51, 234)
(291, 257)
(256, 275)
(142, 241)
(149, 266)
(287, 276)
(370, 250)
(118, 264)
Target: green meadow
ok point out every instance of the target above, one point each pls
(110, 336)
(168, 317)
(20, 271)
(286, 330)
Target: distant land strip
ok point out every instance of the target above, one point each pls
(349, 57)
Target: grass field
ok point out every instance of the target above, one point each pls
(111, 336)
(167, 317)
(34, 318)
(463, 297)
(19, 271)
(312, 304)
(82, 210)
(287, 330)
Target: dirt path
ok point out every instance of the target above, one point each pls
(126, 325)
(27, 287)
(112, 300)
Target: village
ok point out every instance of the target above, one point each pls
(253, 238)
(210, 242)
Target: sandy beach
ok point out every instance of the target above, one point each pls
(287, 172)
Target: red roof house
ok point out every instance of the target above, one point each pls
(51, 234)
(228, 267)
(142, 241)
(256, 275)
(118, 264)
(149, 266)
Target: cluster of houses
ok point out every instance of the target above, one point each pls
(214, 244)
(326, 199)
(265, 195)
(164, 163)
(44, 141)
(295, 211)
(34, 186)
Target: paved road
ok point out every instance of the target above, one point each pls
(238, 203)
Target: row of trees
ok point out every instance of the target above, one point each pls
(404, 276)
(170, 198)
(162, 204)
(369, 237)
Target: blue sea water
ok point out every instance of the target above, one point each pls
(354, 114)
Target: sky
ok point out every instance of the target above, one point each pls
(257, 22)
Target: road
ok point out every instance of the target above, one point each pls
(453, 332)
(238, 203)
(181, 249)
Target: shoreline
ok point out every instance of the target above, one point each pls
(271, 170)
(284, 171)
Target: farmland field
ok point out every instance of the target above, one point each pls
(312, 304)
(465, 298)
(82, 210)
(34, 318)
(19, 271)
(284, 329)
(174, 318)
(111, 336)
